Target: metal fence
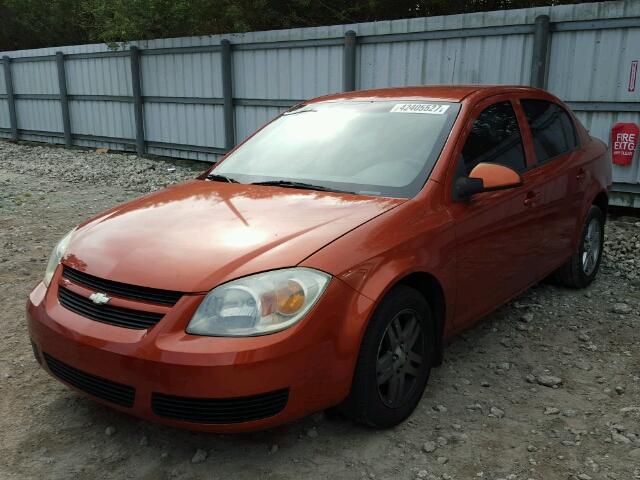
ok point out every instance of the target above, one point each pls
(196, 97)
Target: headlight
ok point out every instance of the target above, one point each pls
(56, 255)
(259, 304)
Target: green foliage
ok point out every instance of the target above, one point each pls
(40, 23)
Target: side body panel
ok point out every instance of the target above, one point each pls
(498, 235)
(418, 237)
(565, 181)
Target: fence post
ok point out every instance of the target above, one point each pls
(539, 61)
(227, 95)
(11, 101)
(349, 62)
(64, 99)
(136, 84)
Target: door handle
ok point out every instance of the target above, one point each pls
(581, 174)
(531, 200)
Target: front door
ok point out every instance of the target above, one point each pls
(498, 237)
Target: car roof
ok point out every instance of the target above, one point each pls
(445, 93)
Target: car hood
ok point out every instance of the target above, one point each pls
(194, 236)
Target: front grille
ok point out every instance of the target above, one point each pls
(219, 410)
(98, 387)
(146, 294)
(121, 317)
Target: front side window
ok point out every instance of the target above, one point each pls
(495, 138)
(552, 129)
(385, 148)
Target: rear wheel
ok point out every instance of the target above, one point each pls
(583, 266)
(394, 360)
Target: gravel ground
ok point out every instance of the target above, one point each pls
(546, 387)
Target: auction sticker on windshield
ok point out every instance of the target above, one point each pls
(432, 108)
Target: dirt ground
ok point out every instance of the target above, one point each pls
(484, 415)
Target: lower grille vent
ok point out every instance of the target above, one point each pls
(98, 387)
(220, 410)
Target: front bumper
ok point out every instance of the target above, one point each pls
(310, 365)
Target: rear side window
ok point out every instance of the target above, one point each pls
(551, 127)
(495, 138)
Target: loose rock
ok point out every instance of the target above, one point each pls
(621, 308)
(429, 447)
(199, 457)
(496, 412)
(549, 381)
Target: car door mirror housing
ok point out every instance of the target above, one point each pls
(486, 177)
(466, 187)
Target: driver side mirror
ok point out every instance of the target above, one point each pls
(485, 177)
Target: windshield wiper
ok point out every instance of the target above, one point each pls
(221, 178)
(300, 185)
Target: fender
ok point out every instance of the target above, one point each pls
(374, 257)
(600, 184)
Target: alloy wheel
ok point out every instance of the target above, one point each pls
(591, 246)
(400, 356)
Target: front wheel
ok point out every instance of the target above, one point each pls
(583, 266)
(394, 360)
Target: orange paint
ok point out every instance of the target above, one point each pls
(193, 237)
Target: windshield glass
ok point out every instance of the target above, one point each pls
(371, 148)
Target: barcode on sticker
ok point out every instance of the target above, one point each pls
(432, 108)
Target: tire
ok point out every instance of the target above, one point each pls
(581, 269)
(395, 353)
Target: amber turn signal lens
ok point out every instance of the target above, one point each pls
(290, 298)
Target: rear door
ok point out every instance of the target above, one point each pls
(560, 174)
(498, 233)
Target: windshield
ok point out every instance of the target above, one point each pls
(371, 148)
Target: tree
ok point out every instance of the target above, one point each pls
(39, 23)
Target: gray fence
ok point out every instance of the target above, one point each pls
(196, 97)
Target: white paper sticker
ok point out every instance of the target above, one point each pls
(431, 108)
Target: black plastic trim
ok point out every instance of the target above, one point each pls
(118, 393)
(147, 294)
(118, 316)
(219, 410)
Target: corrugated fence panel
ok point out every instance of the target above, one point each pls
(36, 114)
(35, 77)
(593, 65)
(98, 76)
(186, 124)
(3, 87)
(108, 119)
(183, 153)
(4, 115)
(287, 73)
(4, 108)
(200, 125)
(42, 115)
(164, 75)
(493, 59)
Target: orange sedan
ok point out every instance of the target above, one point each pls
(325, 261)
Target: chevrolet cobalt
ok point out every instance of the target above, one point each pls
(327, 260)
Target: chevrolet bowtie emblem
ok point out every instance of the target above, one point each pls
(99, 298)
